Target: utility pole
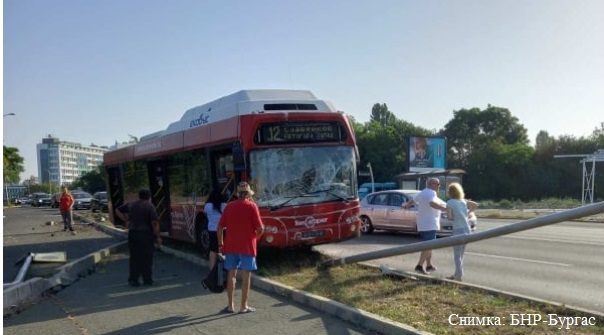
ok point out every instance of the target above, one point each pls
(372, 181)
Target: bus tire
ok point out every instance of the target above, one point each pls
(202, 235)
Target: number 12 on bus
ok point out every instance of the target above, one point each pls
(297, 152)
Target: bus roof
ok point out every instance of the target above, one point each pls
(246, 102)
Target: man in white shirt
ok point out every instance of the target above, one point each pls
(428, 220)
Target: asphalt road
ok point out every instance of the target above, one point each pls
(563, 262)
(103, 303)
(25, 231)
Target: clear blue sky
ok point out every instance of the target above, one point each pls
(96, 71)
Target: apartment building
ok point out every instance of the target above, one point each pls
(61, 162)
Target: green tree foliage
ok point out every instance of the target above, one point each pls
(12, 164)
(92, 181)
(490, 169)
(472, 130)
(492, 146)
(382, 142)
(381, 115)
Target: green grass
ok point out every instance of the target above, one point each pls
(424, 305)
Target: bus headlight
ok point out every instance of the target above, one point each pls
(269, 239)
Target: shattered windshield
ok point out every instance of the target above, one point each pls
(296, 176)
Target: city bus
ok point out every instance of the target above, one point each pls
(296, 151)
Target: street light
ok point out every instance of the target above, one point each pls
(371, 173)
(9, 114)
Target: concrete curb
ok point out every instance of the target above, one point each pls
(355, 316)
(15, 297)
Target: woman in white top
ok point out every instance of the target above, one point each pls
(213, 208)
(458, 210)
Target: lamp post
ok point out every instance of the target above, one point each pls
(8, 114)
(372, 182)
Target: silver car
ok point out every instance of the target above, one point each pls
(383, 211)
(81, 200)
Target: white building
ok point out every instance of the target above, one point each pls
(61, 162)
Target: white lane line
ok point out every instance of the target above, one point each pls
(518, 259)
(555, 240)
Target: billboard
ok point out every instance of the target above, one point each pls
(426, 153)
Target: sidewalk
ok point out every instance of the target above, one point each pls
(103, 303)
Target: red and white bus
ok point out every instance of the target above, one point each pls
(297, 152)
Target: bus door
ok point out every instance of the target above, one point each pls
(115, 193)
(223, 174)
(158, 183)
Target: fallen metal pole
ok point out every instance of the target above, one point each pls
(464, 239)
(22, 271)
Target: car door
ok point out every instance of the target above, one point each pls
(379, 209)
(400, 219)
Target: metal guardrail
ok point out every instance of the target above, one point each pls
(465, 239)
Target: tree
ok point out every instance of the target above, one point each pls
(12, 164)
(491, 169)
(471, 130)
(92, 181)
(382, 142)
(381, 115)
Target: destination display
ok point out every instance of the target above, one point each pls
(299, 133)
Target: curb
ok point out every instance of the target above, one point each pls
(19, 295)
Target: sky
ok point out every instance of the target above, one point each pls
(95, 72)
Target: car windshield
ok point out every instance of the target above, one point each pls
(296, 176)
(81, 195)
(102, 195)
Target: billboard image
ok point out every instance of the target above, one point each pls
(426, 153)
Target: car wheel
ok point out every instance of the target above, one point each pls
(366, 226)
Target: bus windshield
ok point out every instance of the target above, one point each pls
(305, 175)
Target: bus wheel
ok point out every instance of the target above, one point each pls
(202, 236)
(366, 226)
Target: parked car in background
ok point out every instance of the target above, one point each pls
(99, 202)
(383, 211)
(40, 199)
(81, 200)
(23, 201)
(55, 200)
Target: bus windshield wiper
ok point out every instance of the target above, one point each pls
(301, 195)
(330, 192)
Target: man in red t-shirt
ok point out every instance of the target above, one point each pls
(66, 207)
(242, 220)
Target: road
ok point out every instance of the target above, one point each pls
(103, 303)
(563, 262)
(25, 230)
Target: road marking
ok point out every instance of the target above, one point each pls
(555, 240)
(518, 259)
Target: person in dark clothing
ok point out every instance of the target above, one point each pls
(142, 222)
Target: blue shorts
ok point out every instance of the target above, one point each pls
(427, 235)
(239, 261)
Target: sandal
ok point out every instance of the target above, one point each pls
(226, 310)
(247, 310)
